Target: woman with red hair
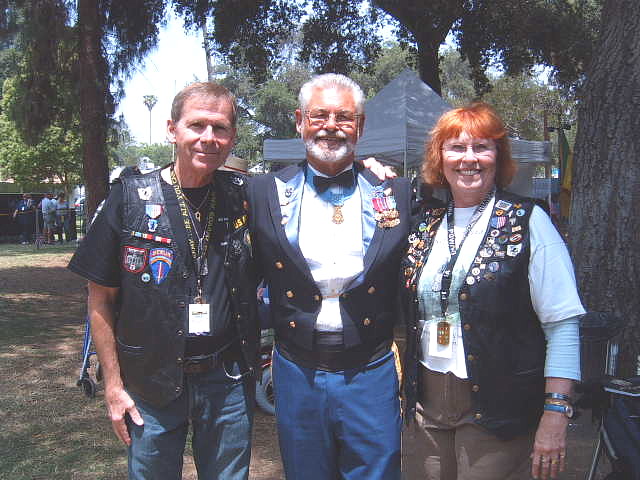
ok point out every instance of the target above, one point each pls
(491, 310)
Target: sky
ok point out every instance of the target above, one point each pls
(178, 60)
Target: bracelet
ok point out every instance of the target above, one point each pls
(566, 410)
(558, 396)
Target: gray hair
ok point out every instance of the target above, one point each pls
(329, 80)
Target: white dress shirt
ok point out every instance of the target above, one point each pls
(333, 251)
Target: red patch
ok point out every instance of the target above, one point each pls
(134, 259)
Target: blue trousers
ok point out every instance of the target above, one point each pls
(338, 425)
(220, 410)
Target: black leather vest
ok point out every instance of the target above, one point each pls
(152, 321)
(503, 341)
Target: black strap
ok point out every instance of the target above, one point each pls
(199, 250)
(447, 274)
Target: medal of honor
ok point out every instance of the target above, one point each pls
(337, 216)
(444, 332)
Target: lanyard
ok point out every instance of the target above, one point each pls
(447, 274)
(199, 251)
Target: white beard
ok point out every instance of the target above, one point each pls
(325, 154)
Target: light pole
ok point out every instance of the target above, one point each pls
(150, 101)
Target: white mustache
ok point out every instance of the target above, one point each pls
(324, 134)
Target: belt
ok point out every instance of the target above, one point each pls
(332, 357)
(205, 363)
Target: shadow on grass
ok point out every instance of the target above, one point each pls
(10, 250)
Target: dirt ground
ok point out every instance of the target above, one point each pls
(50, 429)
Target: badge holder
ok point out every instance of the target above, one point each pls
(199, 317)
(442, 336)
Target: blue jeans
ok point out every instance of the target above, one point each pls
(338, 424)
(220, 410)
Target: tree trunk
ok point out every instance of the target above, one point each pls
(604, 227)
(93, 98)
(208, 51)
(429, 65)
(429, 23)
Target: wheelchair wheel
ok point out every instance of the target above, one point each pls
(88, 387)
(264, 392)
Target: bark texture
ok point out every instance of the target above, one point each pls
(605, 212)
(93, 98)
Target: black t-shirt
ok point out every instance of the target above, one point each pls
(98, 258)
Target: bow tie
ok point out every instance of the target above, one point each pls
(345, 179)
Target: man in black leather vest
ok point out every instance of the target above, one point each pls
(172, 300)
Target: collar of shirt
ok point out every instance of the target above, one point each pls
(342, 193)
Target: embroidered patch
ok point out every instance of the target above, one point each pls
(144, 193)
(134, 259)
(153, 210)
(160, 260)
(240, 222)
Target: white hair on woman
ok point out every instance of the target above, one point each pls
(328, 80)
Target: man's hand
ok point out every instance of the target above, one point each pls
(549, 449)
(378, 169)
(119, 403)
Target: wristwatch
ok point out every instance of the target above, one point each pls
(565, 409)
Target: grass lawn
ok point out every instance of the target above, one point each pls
(50, 429)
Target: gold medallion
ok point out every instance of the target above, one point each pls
(337, 217)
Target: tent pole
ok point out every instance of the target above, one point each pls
(404, 161)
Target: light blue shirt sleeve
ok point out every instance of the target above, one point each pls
(563, 348)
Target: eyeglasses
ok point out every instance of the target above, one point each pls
(479, 149)
(318, 118)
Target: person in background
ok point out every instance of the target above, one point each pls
(492, 312)
(48, 210)
(24, 215)
(63, 217)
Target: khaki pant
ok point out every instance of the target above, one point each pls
(444, 444)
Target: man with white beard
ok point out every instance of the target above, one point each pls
(328, 236)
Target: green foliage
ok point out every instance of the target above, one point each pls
(392, 59)
(52, 155)
(340, 36)
(158, 153)
(343, 35)
(248, 142)
(55, 158)
(248, 34)
(43, 69)
(520, 99)
(519, 35)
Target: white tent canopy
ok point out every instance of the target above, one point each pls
(397, 121)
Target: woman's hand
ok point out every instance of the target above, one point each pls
(549, 448)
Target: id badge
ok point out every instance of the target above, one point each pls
(435, 349)
(199, 315)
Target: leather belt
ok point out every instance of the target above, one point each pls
(206, 363)
(333, 358)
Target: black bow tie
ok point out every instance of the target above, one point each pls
(345, 179)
